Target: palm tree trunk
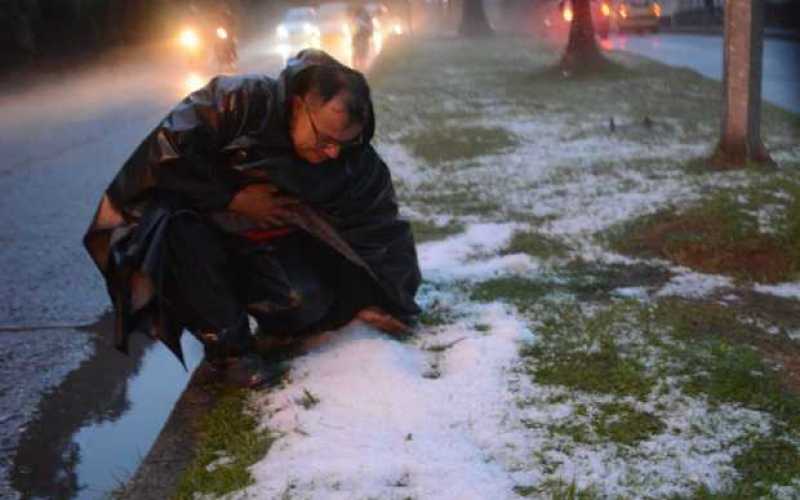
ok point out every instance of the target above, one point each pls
(582, 53)
(740, 142)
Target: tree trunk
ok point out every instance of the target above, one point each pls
(473, 19)
(582, 54)
(740, 141)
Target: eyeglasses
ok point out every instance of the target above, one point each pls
(325, 142)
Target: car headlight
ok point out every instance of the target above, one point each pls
(222, 33)
(282, 32)
(310, 30)
(189, 39)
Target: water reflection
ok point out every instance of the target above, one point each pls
(92, 431)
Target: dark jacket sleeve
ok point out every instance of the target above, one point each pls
(370, 223)
(181, 156)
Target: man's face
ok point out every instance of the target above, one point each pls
(320, 130)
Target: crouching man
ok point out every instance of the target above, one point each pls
(259, 197)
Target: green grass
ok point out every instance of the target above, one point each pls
(617, 422)
(461, 201)
(766, 462)
(556, 490)
(228, 433)
(738, 374)
(428, 231)
(583, 352)
(623, 424)
(440, 143)
(605, 371)
(535, 244)
(579, 279)
(731, 366)
(521, 292)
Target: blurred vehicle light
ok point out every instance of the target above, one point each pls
(568, 14)
(194, 82)
(189, 39)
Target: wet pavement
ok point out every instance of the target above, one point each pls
(703, 53)
(108, 412)
(61, 142)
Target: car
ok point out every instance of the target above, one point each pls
(297, 30)
(601, 16)
(637, 15)
(336, 27)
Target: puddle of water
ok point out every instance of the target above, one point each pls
(92, 432)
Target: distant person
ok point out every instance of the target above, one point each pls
(257, 197)
(362, 38)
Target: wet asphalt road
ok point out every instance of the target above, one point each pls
(703, 53)
(61, 142)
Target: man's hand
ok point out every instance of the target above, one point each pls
(374, 316)
(262, 203)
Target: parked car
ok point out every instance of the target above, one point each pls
(637, 15)
(298, 30)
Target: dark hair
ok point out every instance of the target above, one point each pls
(328, 78)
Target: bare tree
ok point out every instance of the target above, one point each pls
(582, 54)
(740, 142)
(473, 19)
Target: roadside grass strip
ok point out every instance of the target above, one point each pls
(568, 348)
(229, 443)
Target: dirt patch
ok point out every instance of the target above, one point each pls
(704, 243)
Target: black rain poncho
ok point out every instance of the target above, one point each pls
(233, 132)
